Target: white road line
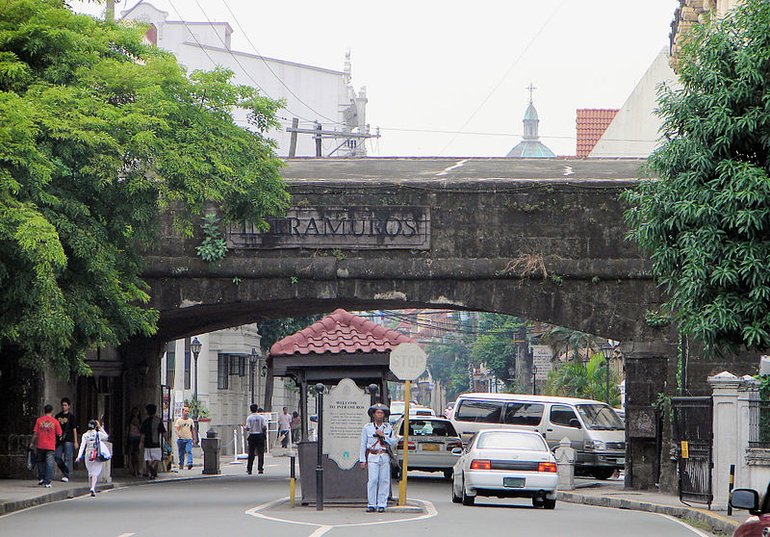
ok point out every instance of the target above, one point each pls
(449, 169)
(126, 534)
(320, 531)
(696, 531)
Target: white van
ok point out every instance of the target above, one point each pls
(596, 432)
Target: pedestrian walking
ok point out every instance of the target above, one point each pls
(152, 432)
(133, 438)
(296, 425)
(91, 451)
(44, 435)
(256, 426)
(377, 443)
(68, 442)
(284, 427)
(186, 437)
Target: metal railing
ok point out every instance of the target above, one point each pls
(759, 424)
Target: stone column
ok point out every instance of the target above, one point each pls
(725, 429)
(646, 372)
(747, 391)
(565, 460)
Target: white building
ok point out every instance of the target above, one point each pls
(312, 94)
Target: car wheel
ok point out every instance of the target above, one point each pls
(448, 474)
(603, 473)
(455, 497)
(467, 500)
(537, 502)
(549, 504)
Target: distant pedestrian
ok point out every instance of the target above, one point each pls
(152, 432)
(284, 427)
(133, 438)
(68, 444)
(89, 452)
(256, 426)
(377, 443)
(44, 435)
(296, 425)
(186, 437)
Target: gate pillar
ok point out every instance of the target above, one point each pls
(646, 372)
(726, 434)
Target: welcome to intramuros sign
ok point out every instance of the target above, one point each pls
(355, 227)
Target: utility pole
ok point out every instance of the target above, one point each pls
(319, 133)
(109, 14)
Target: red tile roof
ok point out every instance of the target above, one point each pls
(339, 332)
(591, 124)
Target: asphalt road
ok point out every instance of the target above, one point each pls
(241, 505)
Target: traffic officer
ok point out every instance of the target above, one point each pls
(377, 443)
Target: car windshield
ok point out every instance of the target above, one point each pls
(511, 440)
(418, 427)
(600, 417)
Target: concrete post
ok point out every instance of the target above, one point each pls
(747, 391)
(565, 461)
(210, 447)
(725, 395)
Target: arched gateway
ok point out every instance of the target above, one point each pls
(541, 239)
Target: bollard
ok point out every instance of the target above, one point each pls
(292, 480)
(730, 486)
(565, 463)
(210, 447)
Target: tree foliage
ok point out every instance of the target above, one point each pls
(99, 134)
(706, 220)
(495, 346)
(274, 330)
(448, 362)
(588, 381)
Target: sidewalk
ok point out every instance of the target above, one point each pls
(611, 493)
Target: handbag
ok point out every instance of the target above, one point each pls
(102, 452)
(31, 459)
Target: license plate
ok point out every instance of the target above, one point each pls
(514, 482)
(430, 447)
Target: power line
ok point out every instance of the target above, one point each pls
(507, 72)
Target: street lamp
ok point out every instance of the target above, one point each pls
(608, 349)
(319, 469)
(252, 363)
(195, 347)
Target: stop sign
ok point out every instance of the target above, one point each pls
(408, 361)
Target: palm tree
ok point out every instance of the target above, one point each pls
(588, 381)
(563, 340)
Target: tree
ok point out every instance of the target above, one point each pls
(571, 342)
(495, 346)
(99, 135)
(588, 381)
(706, 220)
(448, 362)
(274, 330)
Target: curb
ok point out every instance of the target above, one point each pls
(11, 506)
(717, 523)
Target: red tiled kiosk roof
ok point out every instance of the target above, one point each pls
(340, 332)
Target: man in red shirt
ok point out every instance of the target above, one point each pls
(44, 435)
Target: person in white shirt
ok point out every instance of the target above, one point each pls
(284, 427)
(257, 429)
(377, 443)
(90, 450)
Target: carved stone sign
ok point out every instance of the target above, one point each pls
(541, 360)
(344, 415)
(355, 227)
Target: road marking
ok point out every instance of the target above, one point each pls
(696, 531)
(322, 529)
(449, 169)
(126, 534)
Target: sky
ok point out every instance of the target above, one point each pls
(450, 78)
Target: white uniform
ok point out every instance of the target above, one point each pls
(374, 454)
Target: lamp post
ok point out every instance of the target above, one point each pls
(608, 349)
(195, 347)
(252, 363)
(319, 469)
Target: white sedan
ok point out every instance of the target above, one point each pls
(507, 464)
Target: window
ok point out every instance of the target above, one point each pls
(600, 417)
(429, 428)
(524, 414)
(223, 378)
(234, 363)
(187, 363)
(564, 416)
(511, 440)
(479, 411)
(170, 362)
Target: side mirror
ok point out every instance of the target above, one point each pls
(574, 422)
(457, 451)
(745, 499)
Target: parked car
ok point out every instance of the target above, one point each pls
(593, 428)
(758, 524)
(508, 464)
(430, 444)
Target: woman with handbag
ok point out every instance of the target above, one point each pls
(94, 452)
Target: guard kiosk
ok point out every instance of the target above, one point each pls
(339, 346)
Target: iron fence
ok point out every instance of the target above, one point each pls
(759, 423)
